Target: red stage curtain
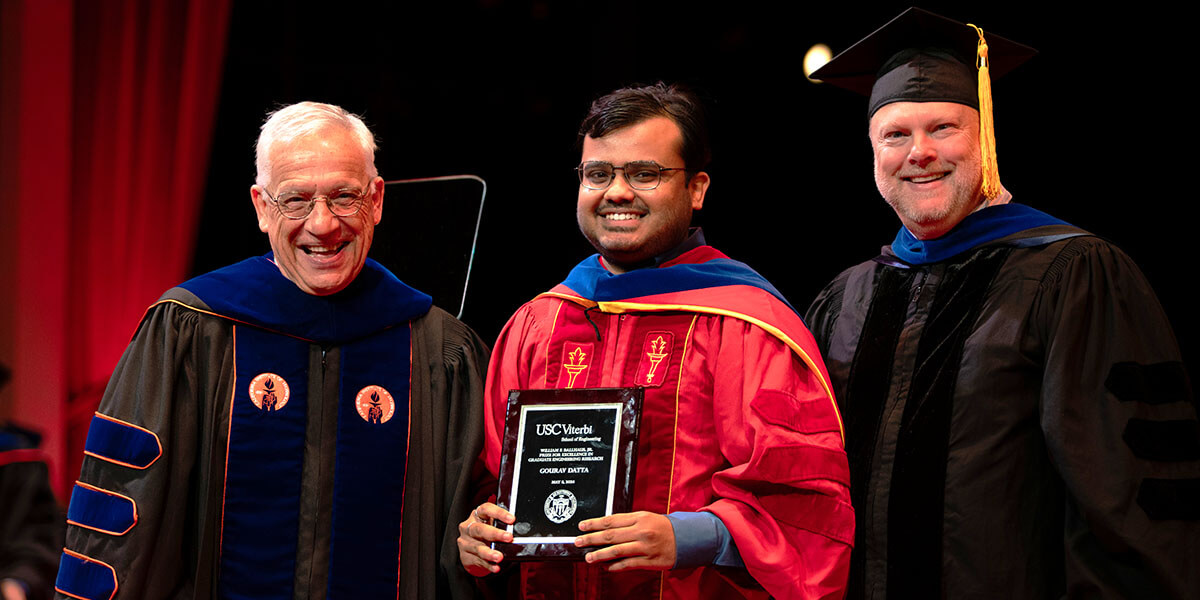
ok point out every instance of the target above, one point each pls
(113, 126)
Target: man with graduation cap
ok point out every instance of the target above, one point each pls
(1018, 421)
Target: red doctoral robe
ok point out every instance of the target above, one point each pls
(738, 420)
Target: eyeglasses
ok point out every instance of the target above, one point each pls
(642, 175)
(298, 205)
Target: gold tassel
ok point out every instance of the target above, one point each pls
(987, 127)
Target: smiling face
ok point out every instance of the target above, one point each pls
(321, 253)
(627, 226)
(927, 163)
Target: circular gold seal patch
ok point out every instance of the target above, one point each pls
(375, 404)
(269, 392)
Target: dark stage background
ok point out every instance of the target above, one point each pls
(1087, 131)
(107, 108)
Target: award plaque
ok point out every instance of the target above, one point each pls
(568, 456)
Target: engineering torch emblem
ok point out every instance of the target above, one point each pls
(576, 359)
(655, 350)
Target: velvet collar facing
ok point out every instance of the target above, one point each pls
(256, 292)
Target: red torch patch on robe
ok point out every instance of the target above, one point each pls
(656, 355)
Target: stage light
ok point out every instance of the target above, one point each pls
(815, 58)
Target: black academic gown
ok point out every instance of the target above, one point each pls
(331, 488)
(31, 527)
(1018, 422)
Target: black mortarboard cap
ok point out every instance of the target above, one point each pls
(920, 57)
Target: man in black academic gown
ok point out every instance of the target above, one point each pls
(293, 426)
(31, 527)
(1018, 421)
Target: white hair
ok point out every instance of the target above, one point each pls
(306, 118)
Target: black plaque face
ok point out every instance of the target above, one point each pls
(568, 457)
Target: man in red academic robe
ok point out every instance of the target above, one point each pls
(741, 482)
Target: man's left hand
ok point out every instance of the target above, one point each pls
(640, 540)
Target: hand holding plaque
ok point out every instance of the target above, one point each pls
(475, 536)
(638, 540)
(568, 457)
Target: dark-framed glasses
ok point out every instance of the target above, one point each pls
(642, 175)
(343, 202)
